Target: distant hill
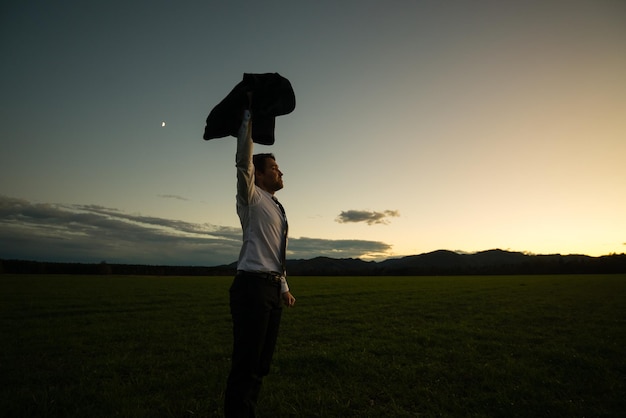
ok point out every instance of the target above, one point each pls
(441, 262)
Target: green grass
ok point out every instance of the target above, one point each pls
(508, 346)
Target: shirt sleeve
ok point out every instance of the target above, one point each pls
(243, 161)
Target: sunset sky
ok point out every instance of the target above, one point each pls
(419, 126)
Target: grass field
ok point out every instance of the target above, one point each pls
(506, 346)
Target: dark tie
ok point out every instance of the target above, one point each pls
(283, 249)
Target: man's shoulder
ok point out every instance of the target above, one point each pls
(254, 197)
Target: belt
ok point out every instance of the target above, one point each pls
(270, 277)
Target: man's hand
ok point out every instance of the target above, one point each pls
(288, 299)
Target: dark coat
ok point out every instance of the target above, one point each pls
(272, 95)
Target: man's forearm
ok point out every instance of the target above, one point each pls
(243, 158)
(244, 142)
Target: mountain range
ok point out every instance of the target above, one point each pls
(441, 262)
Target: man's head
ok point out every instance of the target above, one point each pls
(267, 176)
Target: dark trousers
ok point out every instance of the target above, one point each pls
(255, 306)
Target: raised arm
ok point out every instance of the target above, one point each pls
(243, 160)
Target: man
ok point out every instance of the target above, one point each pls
(260, 284)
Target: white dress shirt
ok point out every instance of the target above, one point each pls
(262, 221)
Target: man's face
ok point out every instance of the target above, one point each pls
(271, 179)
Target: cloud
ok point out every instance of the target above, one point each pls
(173, 196)
(369, 217)
(92, 233)
(338, 248)
(89, 233)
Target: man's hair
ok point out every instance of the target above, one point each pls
(259, 161)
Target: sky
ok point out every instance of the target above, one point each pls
(419, 126)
